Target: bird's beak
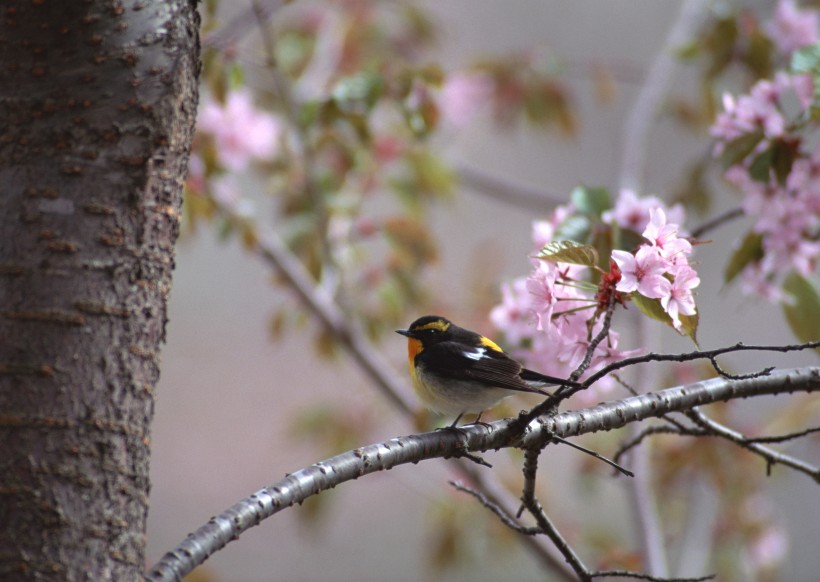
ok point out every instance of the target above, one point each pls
(405, 332)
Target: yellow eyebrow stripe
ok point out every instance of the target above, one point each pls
(438, 325)
(490, 344)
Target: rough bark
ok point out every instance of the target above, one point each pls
(97, 104)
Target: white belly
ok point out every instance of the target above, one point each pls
(455, 396)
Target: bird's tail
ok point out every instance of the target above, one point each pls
(536, 378)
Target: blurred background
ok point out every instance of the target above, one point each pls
(237, 410)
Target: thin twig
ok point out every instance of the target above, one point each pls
(592, 453)
(651, 431)
(641, 576)
(505, 518)
(771, 457)
(690, 356)
(725, 374)
(783, 437)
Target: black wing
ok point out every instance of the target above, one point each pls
(482, 364)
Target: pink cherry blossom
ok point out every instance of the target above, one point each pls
(513, 315)
(642, 272)
(241, 132)
(680, 300)
(664, 236)
(541, 285)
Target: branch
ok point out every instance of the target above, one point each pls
(689, 356)
(717, 221)
(297, 487)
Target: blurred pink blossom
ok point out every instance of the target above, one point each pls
(241, 132)
(463, 96)
(769, 547)
(513, 315)
(632, 212)
(793, 28)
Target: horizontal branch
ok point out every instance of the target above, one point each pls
(298, 486)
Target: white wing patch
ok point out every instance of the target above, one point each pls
(475, 354)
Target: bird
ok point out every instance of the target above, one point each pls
(458, 371)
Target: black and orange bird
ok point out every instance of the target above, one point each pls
(458, 371)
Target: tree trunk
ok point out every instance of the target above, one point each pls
(97, 107)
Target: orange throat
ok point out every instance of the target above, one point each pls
(413, 349)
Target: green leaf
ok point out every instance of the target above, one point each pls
(749, 251)
(740, 147)
(567, 251)
(575, 227)
(689, 326)
(783, 156)
(761, 165)
(592, 201)
(652, 308)
(358, 93)
(803, 312)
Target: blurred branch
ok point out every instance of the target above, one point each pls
(652, 93)
(717, 221)
(324, 475)
(271, 248)
(508, 191)
(231, 33)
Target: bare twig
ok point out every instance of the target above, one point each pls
(725, 374)
(640, 576)
(782, 437)
(505, 517)
(697, 355)
(771, 457)
(592, 453)
(651, 431)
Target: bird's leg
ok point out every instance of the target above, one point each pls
(478, 420)
(454, 427)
